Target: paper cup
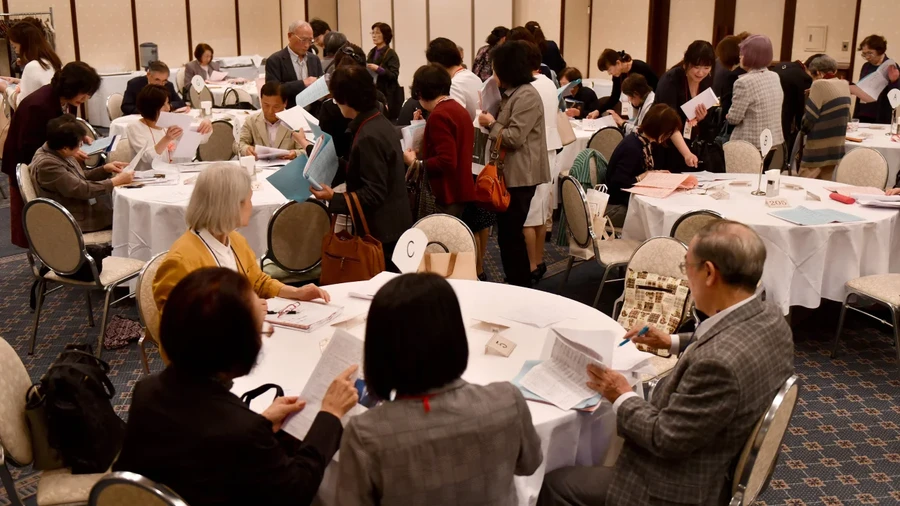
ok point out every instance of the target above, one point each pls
(249, 164)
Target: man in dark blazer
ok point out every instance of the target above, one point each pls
(680, 445)
(157, 73)
(794, 82)
(294, 66)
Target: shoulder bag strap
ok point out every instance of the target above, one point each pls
(350, 210)
(362, 216)
(256, 392)
(498, 154)
(101, 379)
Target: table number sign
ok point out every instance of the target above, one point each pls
(197, 83)
(499, 345)
(894, 98)
(720, 195)
(777, 202)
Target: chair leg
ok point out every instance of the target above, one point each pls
(144, 353)
(109, 293)
(9, 484)
(42, 286)
(565, 278)
(90, 309)
(602, 282)
(895, 319)
(840, 326)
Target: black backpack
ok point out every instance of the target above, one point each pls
(72, 402)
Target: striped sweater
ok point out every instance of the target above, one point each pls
(825, 122)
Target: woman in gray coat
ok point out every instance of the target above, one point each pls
(520, 124)
(202, 65)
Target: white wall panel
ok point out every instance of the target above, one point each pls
(489, 14)
(260, 27)
(689, 20)
(410, 37)
(767, 17)
(619, 32)
(348, 20)
(157, 23)
(214, 22)
(104, 49)
(452, 19)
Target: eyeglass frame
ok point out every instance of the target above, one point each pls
(683, 265)
(303, 39)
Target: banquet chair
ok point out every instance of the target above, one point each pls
(881, 288)
(662, 256)
(55, 487)
(294, 241)
(92, 161)
(610, 254)
(862, 167)
(5, 118)
(741, 157)
(777, 160)
(14, 100)
(230, 97)
(114, 106)
(26, 183)
(244, 97)
(55, 241)
(197, 97)
(179, 79)
(446, 234)
(688, 224)
(605, 141)
(220, 145)
(131, 489)
(122, 153)
(146, 305)
(760, 454)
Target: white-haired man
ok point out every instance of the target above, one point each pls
(294, 66)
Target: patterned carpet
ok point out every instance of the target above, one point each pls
(843, 447)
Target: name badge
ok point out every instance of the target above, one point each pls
(687, 130)
(92, 202)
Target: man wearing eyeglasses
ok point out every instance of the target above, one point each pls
(294, 66)
(681, 443)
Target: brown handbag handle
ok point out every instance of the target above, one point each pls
(497, 153)
(350, 210)
(362, 216)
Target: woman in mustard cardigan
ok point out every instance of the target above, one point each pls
(219, 205)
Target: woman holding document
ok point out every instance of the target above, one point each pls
(146, 136)
(188, 430)
(202, 65)
(431, 421)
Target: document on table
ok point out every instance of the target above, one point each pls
(489, 98)
(289, 180)
(313, 92)
(707, 98)
(412, 135)
(217, 76)
(853, 191)
(871, 86)
(104, 144)
(170, 119)
(587, 406)
(802, 216)
(322, 164)
(267, 153)
(343, 350)
(589, 125)
(536, 315)
(661, 184)
(302, 315)
(561, 379)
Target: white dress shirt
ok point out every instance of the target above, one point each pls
(299, 63)
(222, 253)
(464, 88)
(701, 330)
(272, 129)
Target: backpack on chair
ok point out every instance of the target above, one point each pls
(70, 412)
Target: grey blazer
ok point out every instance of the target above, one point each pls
(464, 450)
(680, 447)
(85, 194)
(521, 118)
(193, 68)
(254, 132)
(280, 68)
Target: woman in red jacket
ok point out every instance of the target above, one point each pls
(446, 154)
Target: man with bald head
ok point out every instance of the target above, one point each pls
(294, 66)
(680, 446)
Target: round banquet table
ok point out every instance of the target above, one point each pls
(218, 92)
(875, 137)
(804, 264)
(235, 116)
(566, 157)
(147, 220)
(567, 438)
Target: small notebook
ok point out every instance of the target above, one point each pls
(301, 315)
(803, 216)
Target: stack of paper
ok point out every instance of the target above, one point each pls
(301, 315)
(803, 216)
(322, 164)
(267, 153)
(102, 145)
(589, 125)
(886, 201)
(661, 184)
(853, 191)
(412, 135)
(707, 98)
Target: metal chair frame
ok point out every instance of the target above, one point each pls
(272, 220)
(160, 491)
(894, 323)
(681, 219)
(591, 140)
(201, 146)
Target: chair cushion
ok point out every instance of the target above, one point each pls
(60, 487)
(100, 237)
(617, 251)
(14, 383)
(884, 287)
(115, 269)
(288, 277)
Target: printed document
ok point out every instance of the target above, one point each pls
(413, 135)
(104, 144)
(313, 92)
(707, 98)
(322, 164)
(490, 97)
(301, 315)
(217, 76)
(294, 119)
(871, 86)
(267, 153)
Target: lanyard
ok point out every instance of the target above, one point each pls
(168, 154)
(237, 259)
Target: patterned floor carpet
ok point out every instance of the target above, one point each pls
(843, 447)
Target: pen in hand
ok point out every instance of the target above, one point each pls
(285, 312)
(641, 333)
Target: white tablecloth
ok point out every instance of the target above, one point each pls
(880, 140)
(109, 84)
(566, 157)
(567, 437)
(236, 116)
(146, 221)
(218, 92)
(248, 72)
(803, 264)
(603, 87)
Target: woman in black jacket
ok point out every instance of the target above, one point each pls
(549, 50)
(620, 65)
(586, 103)
(187, 430)
(385, 63)
(375, 169)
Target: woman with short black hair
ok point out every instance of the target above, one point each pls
(481, 65)
(70, 87)
(187, 430)
(375, 170)
(159, 142)
(436, 437)
(202, 65)
(585, 99)
(620, 65)
(385, 63)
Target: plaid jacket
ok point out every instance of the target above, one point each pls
(756, 105)
(680, 447)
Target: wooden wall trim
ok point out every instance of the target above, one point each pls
(658, 35)
(851, 71)
(5, 5)
(137, 49)
(723, 19)
(190, 38)
(787, 30)
(562, 26)
(75, 29)
(237, 24)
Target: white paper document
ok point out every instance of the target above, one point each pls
(188, 143)
(343, 350)
(169, 119)
(596, 124)
(489, 97)
(707, 98)
(217, 76)
(267, 153)
(562, 379)
(295, 119)
(871, 86)
(412, 136)
(313, 92)
(322, 164)
(301, 315)
(104, 144)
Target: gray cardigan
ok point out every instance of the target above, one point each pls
(193, 68)
(521, 119)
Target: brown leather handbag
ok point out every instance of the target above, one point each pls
(490, 189)
(348, 257)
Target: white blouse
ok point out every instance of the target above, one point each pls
(222, 253)
(141, 136)
(34, 77)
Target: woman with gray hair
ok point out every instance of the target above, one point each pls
(220, 204)
(333, 42)
(825, 120)
(757, 95)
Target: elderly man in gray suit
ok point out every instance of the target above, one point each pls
(294, 66)
(681, 445)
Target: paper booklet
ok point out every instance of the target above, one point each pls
(412, 136)
(870, 87)
(562, 379)
(322, 164)
(101, 145)
(661, 184)
(489, 97)
(301, 315)
(267, 153)
(707, 98)
(217, 76)
(803, 216)
(587, 406)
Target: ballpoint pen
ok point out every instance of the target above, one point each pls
(639, 334)
(284, 312)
